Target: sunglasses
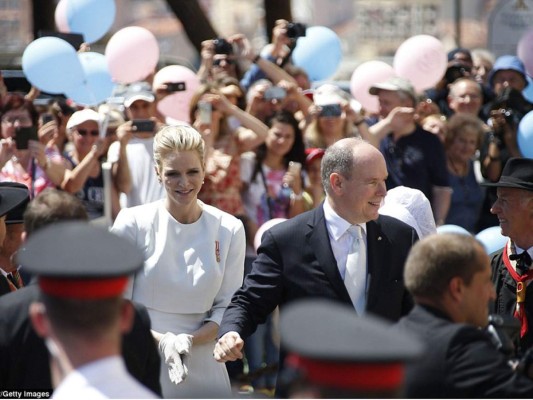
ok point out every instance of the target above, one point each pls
(217, 62)
(14, 118)
(84, 132)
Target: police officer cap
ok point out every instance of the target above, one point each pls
(15, 215)
(334, 347)
(11, 195)
(81, 261)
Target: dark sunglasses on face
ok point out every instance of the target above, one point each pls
(218, 61)
(11, 119)
(84, 132)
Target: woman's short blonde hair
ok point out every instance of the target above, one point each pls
(177, 138)
(461, 122)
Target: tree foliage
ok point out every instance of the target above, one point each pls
(190, 13)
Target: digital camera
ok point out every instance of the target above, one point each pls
(295, 30)
(222, 46)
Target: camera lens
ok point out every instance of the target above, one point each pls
(222, 46)
(295, 30)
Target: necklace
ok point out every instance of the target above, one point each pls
(460, 171)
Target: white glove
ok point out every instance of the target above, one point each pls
(176, 349)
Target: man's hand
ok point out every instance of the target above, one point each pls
(229, 347)
(399, 117)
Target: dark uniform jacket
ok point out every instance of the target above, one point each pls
(24, 360)
(4, 285)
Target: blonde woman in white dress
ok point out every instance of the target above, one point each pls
(194, 262)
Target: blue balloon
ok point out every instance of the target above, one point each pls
(492, 239)
(528, 91)
(98, 85)
(52, 65)
(452, 229)
(91, 18)
(319, 53)
(525, 135)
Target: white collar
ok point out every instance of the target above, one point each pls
(4, 273)
(520, 250)
(337, 226)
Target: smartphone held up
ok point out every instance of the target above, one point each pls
(205, 110)
(142, 125)
(23, 134)
(172, 87)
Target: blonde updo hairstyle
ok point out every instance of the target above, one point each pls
(177, 138)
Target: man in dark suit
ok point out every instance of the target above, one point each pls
(511, 266)
(24, 359)
(449, 276)
(311, 255)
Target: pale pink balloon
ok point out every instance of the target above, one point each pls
(176, 105)
(422, 60)
(132, 54)
(366, 75)
(61, 16)
(524, 50)
(265, 227)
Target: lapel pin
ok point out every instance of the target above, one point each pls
(379, 237)
(217, 250)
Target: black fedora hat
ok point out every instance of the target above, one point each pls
(517, 173)
(11, 196)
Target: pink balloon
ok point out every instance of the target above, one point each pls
(265, 227)
(422, 60)
(61, 16)
(132, 54)
(176, 105)
(524, 50)
(366, 75)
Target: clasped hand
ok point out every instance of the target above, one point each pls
(176, 349)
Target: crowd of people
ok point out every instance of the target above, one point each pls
(264, 145)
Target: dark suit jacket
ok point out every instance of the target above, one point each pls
(295, 261)
(24, 362)
(505, 303)
(460, 361)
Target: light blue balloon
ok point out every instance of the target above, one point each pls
(98, 85)
(52, 65)
(319, 53)
(528, 91)
(492, 239)
(525, 135)
(452, 229)
(91, 18)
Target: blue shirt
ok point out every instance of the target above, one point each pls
(417, 161)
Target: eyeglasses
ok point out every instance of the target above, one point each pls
(84, 132)
(217, 62)
(471, 96)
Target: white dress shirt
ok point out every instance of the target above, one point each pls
(341, 241)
